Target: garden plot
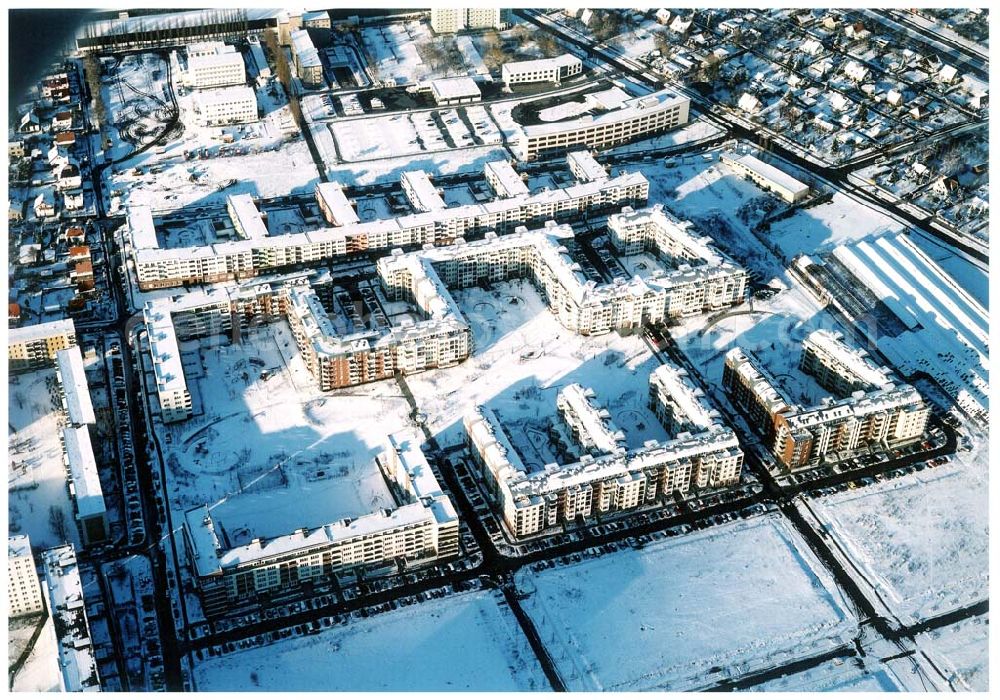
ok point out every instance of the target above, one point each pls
(961, 651)
(38, 503)
(270, 455)
(522, 357)
(468, 642)
(921, 541)
(689, 612)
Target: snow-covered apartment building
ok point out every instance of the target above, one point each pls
(422, 528)
(632, 119)
(308, 65)
(541, 70)
(228, 105)
(157, 268)
(607, 477)
(868, 409)
(33, 347)
(767, 177)
(214, 64)
(64, 589)
(24, 594)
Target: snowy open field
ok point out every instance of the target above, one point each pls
(963, 650)
(523, 356)
(272, 455)
(468, 642)
(39, 505)
(839, 675)
(921, 540)
(696, 187)
(684, 613)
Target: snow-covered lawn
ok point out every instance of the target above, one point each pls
(272, 455)
(39, 504)
(40, 672)
(468, 642)
(696, 186)
(682, 614)
(523, 356)
(921, 540)
(963, 650)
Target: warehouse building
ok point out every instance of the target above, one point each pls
(767, 177)
(455, 91)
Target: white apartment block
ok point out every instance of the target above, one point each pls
(767, 177)
(334, 204)
(421, 192)
(423, 527)
(504, 180)
(448, 20)
(247, 220)
(840, 368)
(589, 424)
(157, 268)
(33, 347)
(585, 167)
(633, 119)
(69, 613)
(215, 64)
(223, 106)
(619, 480)
(541, 70)
(24, 594)
(308, 65)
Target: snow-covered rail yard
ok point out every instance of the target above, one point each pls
(501, 350)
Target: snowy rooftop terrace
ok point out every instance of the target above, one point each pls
(948, 336)
(73, 380)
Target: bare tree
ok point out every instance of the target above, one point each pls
(57, 522)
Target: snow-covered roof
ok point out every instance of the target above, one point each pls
(304, 49)
(586, 166)
(88, 496)
(225, 95)
(507, 183)
(593, 423)
(421, 192)
(331, 194)
(73, 381)
(539, 65)
(748, 103)
(948, 330)
(248, 221)
(852, 361)
(947, 73)
(454, 88)
(406, 446)
(630, 109)
(18, 546)
(222, 55)
(769, 173)
(40, 331)
(67, 605)
(193, 19)
(689, 404)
